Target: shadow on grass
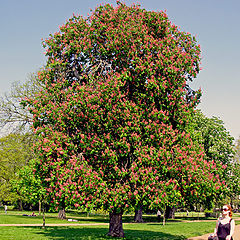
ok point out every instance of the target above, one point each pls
(99, 233)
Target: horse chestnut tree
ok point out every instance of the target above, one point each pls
(111, 117)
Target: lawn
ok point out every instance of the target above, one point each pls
(16, 217)
(173, 230)
(145, 231)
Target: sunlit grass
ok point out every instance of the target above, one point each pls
(181, 228)
(16, 217)
(174, 229)
(145, 231)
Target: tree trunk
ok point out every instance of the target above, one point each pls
(20, 206)
(62, 214)
(138, 215)
(44, 220)
(115, 225)
(170, 212)
(164, 218)
(39, 208)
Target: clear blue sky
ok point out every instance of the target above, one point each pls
(23, 23)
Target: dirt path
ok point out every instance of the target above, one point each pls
(236, 235)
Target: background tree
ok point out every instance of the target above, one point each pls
(237, 155)
(218, 147)
(235, 176)
(13, 116)
(15, 122)
(15, 152)
(28, 185)
(216, 139)
(111, 118)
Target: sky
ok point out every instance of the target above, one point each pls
(215, 23)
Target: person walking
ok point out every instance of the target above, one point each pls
(225, 225)
(5, 208)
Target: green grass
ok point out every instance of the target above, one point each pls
(177, 229)
(173, 230)
(16, 217)
(146, 231)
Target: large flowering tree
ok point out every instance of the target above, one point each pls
(110, 121)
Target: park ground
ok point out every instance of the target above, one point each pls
(195, 226)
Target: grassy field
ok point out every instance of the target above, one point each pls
(145, 231)
(16, 217)
(178, 229)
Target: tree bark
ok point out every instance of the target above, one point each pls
(62, 214)
(115, 225)
(20, 205)
(170, 212)
(138, 215)
(39, 208)
(44, 220)
(164, 217)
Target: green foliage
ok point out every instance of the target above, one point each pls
(235, 175)
(15, 152)
(28, 185)
(15, 120)
(237, 156)
(216, 139)
(111, 118)
(219, 149)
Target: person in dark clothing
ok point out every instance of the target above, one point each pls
(225, 225)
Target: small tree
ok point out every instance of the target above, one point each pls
(28, 185)
(111, 118)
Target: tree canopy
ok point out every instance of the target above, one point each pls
(112, 116)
